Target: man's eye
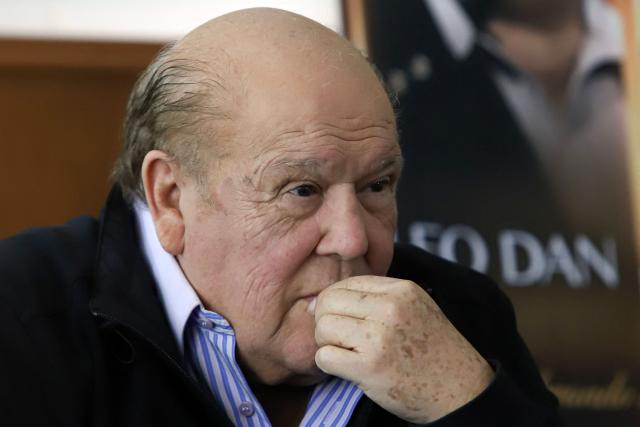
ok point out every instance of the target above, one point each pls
(380, 185)
(305, 190)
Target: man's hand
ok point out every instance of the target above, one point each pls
(389, 337)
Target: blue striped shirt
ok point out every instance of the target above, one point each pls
(210, 344)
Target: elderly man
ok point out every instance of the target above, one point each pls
(243, 270)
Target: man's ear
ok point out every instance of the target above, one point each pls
(160, 176)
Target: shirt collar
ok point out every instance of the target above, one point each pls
(604, 40)
(178, 297)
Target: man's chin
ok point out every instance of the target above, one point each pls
(296, 376)
(307, 379)
(303, 369)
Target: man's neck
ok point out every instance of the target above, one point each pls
(285, 405)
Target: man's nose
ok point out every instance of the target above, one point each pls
(343, 223)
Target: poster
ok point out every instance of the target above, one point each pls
(519, 123)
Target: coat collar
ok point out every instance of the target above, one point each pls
(124, 290)
(178, 297)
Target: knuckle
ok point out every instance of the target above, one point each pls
(409, 292)
(392, 310)
(408, 288)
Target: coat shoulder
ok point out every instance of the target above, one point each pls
(40, 267)
(450, 281)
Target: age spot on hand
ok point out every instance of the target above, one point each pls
(407, 350)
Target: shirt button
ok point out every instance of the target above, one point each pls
(246, 409)
(205, 324)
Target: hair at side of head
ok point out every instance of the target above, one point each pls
(166, 109)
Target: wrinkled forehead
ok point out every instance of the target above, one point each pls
(291, 93)
(332, 122)
(322, 119)
(330, 158)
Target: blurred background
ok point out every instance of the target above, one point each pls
(519, 120)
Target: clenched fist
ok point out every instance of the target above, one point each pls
(390, 338)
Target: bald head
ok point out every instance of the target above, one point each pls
(195, 95)
(264, 37)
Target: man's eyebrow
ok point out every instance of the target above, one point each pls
(288, 164)
(393, 161)
(314, 165)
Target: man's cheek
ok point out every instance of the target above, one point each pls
(263, 221)
(382, 228)
(278, 252)
(260, 297)
(380, 255)
(301, 337)
(289, 249)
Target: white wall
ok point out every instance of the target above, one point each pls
(137, 20)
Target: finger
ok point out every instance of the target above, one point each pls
(387, 286)
(339, 362)
(346, 332)
(367, 283)
(347, 302)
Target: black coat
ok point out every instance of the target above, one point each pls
(84, 340)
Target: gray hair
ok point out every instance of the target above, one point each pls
(168, 100)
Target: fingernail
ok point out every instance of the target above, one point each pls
(311, 308)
